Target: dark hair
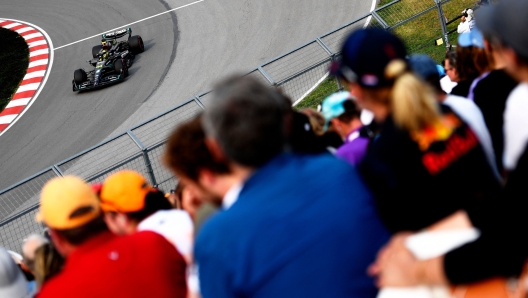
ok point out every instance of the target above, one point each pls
(351, 112)
(471, 62)
(249, 120)
(77, 236)
(186, 152)
(154, 201)
(451, 56)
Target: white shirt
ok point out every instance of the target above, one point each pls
(231, 196)
(466, 26)
(447, 85)
(471, 114)
(176, 226)
(515, 126)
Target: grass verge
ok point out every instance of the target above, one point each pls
(14, 60)
(317, 96)
(418, 34)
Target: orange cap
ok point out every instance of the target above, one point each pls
(67, 203)
(125, 192)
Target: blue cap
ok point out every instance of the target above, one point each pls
(441, 70)
(423, 66)
(473, 38)
(333, 106)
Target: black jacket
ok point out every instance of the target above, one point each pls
(415, 187)
(502, 248)
(490, 96)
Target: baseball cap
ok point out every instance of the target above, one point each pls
(423, 66)
(66, 203)
(365, 55)
(507, 21)
(124, 191)
(468, 12)
(333, 106)
(472, 38)
(12, 282)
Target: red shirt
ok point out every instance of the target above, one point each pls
(140, 265)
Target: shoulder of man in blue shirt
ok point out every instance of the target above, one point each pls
(294, 213)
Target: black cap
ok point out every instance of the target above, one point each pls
(365, 55)
(508, 22)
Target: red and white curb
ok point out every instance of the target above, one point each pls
(40, 62)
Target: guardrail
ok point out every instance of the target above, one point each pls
(139, 148)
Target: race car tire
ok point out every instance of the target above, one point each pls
(79, 76)
(96, 49)
(121, 65)
(135, 44)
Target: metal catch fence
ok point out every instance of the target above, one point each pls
(140, 148)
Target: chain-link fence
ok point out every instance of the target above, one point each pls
(140, 148)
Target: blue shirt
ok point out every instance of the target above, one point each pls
(303, 226)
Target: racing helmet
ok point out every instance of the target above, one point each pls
(106, 45)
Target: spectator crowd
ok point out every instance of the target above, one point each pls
(410, 183)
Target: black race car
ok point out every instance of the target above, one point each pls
(111, 60)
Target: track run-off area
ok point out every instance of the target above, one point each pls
(189, 45)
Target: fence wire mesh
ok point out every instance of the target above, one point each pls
(302, 83)
(205, 98)
(100, 158)
(399, 12)
(157, 130)
(296, 61)
(335, 39)
(13, 232)
(23, 195)
(136, 163)
(164, 178)
(297, 73)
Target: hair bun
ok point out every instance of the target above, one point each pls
(395, 69)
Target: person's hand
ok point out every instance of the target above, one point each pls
(463, 19)
(396, 266)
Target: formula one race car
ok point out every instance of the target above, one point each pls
(111, 60)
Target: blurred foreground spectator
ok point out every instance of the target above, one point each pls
(328, 138)
(29, 248)
(491, 90)
(98, 263)
(423, 150)
(451, 79)
(472, 62)
(343, 115)
(466, 109)
(501, 251)
(12, 281)
(275, 245)
(130, 204)
(48, 263)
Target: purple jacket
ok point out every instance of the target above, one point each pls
(354, 148)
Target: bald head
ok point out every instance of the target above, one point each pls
(30, 246)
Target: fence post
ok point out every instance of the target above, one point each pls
(267, 76)
(443, 24)
(146, 158)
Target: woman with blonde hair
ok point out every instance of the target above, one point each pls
(426, 163)
(48, 262)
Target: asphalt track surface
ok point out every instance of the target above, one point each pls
(186, 51)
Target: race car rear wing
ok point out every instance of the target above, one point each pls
(117, 34)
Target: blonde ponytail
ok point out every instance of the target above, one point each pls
(413, 103)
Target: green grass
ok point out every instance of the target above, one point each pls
(418, 34)
(14, 60)
(315, 98)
